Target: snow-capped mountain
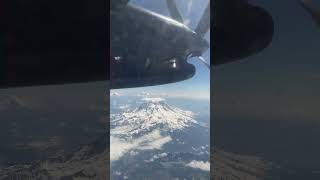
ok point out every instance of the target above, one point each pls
(154, 140)
(153, 113)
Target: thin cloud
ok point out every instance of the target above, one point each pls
(114, 93)
(151, 141)
(144, 94)
(157, 156)
(205, 166)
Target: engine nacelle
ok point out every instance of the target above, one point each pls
(239, 30)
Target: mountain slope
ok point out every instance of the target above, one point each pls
(153, 113)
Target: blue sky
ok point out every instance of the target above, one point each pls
(199, 85)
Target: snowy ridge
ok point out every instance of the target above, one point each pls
(153, 113)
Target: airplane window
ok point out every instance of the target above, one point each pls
(266, 118)
(160, 106)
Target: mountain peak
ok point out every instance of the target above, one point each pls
(152, 114)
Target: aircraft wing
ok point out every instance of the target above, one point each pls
(315, 13)
(52, 42)
(241, 30)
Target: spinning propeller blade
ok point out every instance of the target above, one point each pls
(173, 10)
(204, 23)
(201, 59)
(202, 27)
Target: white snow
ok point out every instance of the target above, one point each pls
(146, 127)
(150, 115)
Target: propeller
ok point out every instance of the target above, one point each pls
(204, 23)
(173, 10)
(202, 27)
(203, 61)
